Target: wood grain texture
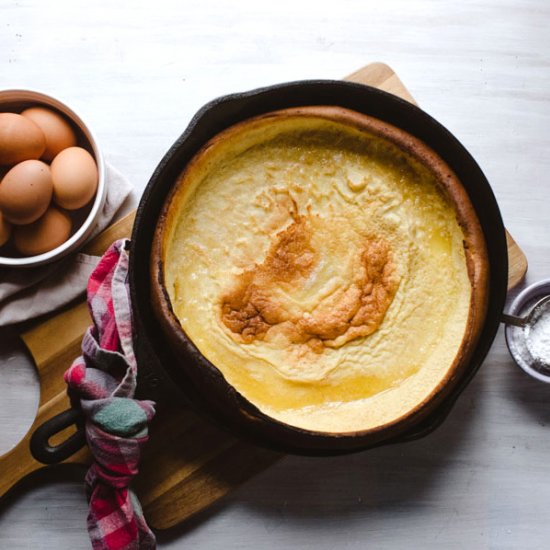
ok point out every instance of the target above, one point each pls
(517, 262)
(381, 76)
(138, 71)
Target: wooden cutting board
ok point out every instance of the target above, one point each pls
(188, 463)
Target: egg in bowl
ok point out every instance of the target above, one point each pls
(329, 265)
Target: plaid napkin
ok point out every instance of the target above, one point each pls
(103, 381)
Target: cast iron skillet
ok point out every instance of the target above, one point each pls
(161, 375)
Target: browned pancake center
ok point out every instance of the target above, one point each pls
(259, 300)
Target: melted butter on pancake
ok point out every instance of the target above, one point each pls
(321, 269)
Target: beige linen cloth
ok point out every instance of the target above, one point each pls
(28, 293)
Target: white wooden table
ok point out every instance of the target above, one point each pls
(137, 71)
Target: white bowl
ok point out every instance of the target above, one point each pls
(16, 101)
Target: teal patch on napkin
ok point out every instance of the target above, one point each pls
(121, 417)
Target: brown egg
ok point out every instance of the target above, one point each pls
(26, 191)
(20, 139)
(5, 230)
(74, 175)
(59, 133)
(45, 234)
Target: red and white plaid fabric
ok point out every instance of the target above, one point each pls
(103, 381)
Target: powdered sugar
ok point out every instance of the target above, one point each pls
(537, 337)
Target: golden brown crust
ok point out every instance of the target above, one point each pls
(246, 313)
(251, 309)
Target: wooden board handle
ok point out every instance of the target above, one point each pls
(15, 465)
(19, 462)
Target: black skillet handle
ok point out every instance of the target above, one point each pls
(40, 447)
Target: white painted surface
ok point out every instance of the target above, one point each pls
(137, 71)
